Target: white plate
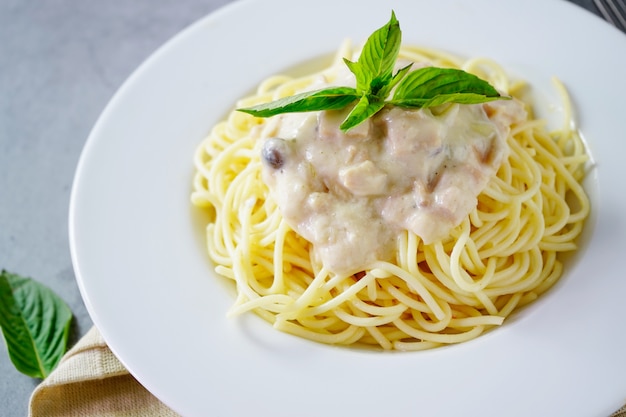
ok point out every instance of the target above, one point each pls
(138, 249)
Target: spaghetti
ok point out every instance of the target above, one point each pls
(502, 256)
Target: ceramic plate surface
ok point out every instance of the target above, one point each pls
(138, 249)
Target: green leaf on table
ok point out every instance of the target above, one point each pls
(35, 324)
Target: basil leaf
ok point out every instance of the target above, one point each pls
(460, 98)
(379, 54)
(35, 324)
(325, 99)
(386, 90)
(363, 110)
(362, 76)
(375, 81)
(429, 82)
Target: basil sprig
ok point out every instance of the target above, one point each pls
(375, 81)
(35, 324)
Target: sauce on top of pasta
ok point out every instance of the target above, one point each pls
(350, 194)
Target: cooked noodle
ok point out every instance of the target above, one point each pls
(501, 257)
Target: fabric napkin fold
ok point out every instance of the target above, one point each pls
(91, 381)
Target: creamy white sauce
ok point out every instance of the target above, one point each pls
(351, 194)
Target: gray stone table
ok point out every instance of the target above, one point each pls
(60, 63)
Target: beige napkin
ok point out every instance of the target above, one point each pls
(91, 381)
